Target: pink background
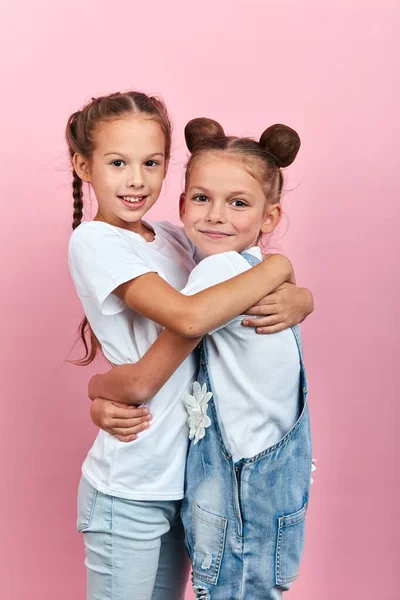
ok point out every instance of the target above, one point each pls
(330, 70)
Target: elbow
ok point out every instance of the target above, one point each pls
(189, 322)
(192, 327)
(310, 303)
(140, 390)
(137, 393)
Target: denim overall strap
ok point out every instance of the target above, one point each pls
(253, 260)
(204, 377)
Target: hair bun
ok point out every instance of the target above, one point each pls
(282, 142)
(200, 129)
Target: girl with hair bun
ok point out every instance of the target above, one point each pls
(249, 464)
(127, 272)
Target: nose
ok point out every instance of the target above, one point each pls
(135, 178)
(215, 213)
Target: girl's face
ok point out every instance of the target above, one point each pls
(126, 169)
(224, 207)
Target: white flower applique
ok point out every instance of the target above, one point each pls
(313, 467)
(196, 405)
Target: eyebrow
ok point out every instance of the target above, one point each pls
(122, 154)
(206, 191)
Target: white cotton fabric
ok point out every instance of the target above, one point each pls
(102, 257)
(255, 378)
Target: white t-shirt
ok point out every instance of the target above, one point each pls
(102, 257)
(255, 378)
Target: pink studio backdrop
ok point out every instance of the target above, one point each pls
(330, 70)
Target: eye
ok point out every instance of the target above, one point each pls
(151, 163)
(200, 198)
(239, 203)
(118, 163)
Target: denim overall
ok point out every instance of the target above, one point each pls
(244, 521)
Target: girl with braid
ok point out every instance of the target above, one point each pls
(127, 273)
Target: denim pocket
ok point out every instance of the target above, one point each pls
(208, 540)
(290, 544)
(86, 502)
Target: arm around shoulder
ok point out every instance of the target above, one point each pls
(193, 316)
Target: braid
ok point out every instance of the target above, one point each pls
(78, 200)
(80, 133)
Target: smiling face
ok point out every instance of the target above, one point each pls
(126, 169)
(224, 207)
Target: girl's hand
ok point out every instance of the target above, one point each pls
(122, 421)
(285, 307)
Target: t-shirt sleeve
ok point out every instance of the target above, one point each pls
(213, 270)
(100, 260)
(178, 233)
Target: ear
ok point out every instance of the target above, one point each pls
(272, 217)
(182, 199)
(82, 167)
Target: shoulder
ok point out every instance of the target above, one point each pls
(216, 269)
(231, 263)
(93, 230)
(95, 245)
(176, 233)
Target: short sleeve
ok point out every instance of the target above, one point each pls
(213, 270)
(210, 271)
(179, 235)
(101, 259)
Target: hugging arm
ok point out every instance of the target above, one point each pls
(139, 382)
(195, 315)
(286, 306)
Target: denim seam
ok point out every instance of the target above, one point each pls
(299, 520)
(212, 524)
(211, 579)
(112, 545)
(281, 526)
(86, 524)
(283, 441)
(236, 504)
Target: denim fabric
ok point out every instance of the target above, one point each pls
(134, 549)
(244, 522)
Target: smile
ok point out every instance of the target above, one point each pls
(215, 234)
(133, 199)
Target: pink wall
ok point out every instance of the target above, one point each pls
(330, 70)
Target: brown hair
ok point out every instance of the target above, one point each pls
(80, 133)
(277, 148)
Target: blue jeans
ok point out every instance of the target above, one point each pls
(134, 549)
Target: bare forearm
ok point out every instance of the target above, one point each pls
(221, 303)
(193, 316)
(139, 382)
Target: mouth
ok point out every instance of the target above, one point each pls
(133, 201)
(215, 235)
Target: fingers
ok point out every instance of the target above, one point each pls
(128, 432)
(263, 321)
(119, 420)
(264, 306)
(273, 328)
(129, 438)
(129, 423)
(117, 412)
(125, 432)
